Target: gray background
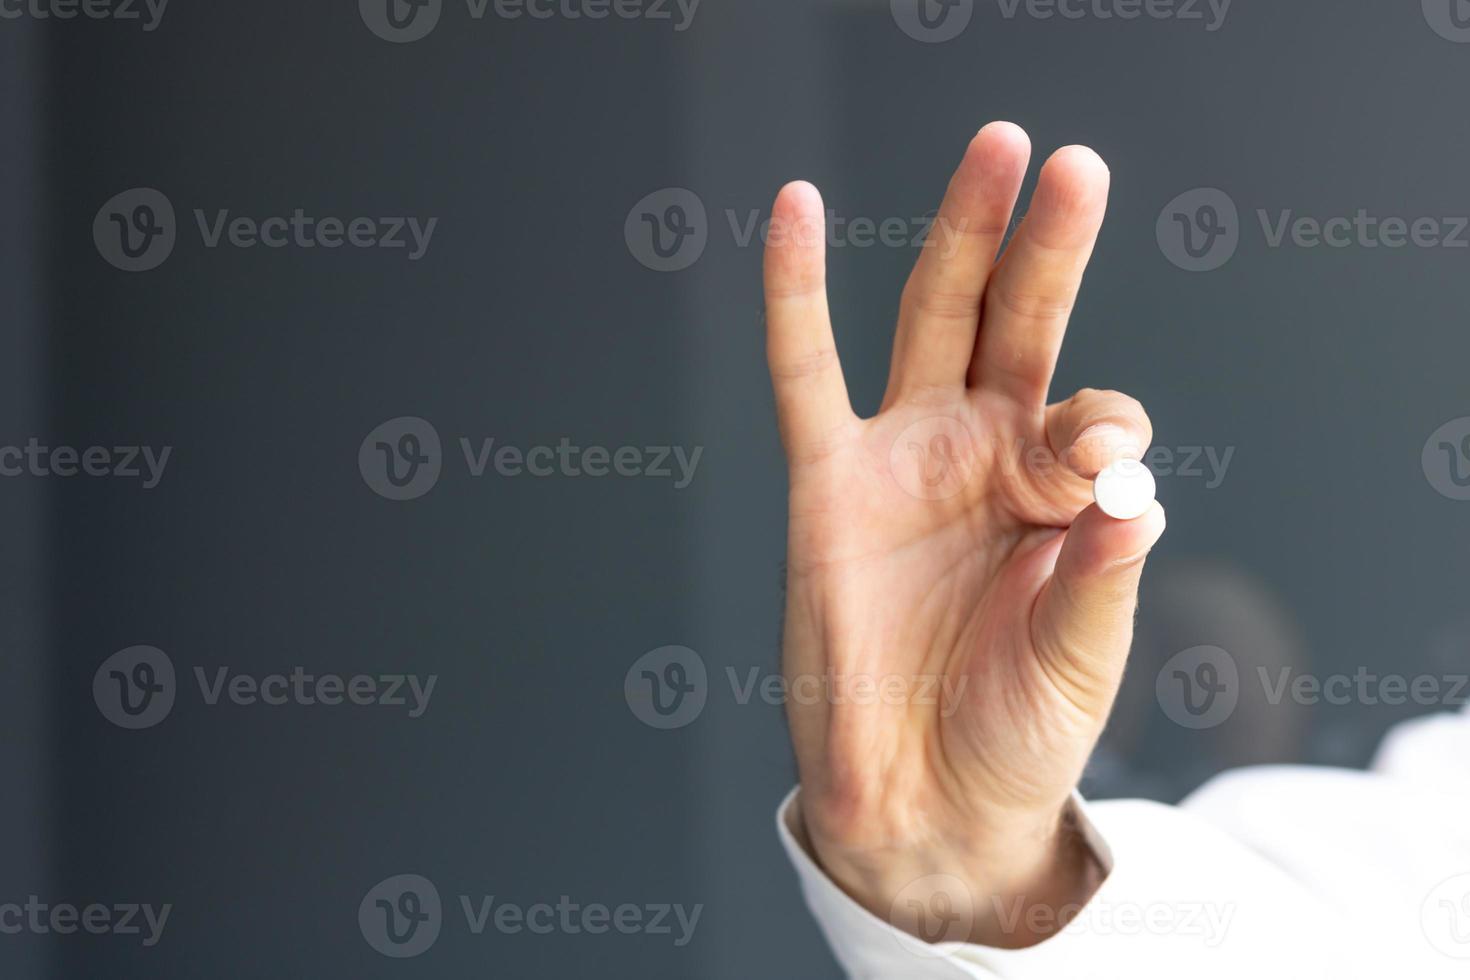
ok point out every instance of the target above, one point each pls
(529, 320)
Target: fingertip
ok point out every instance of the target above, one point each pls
(1102, 543)
(1136, 537)
(1081, 160)
(797, 198)
(1074, 181)
(795, 236)
(1150, 525)
(1002, 136)
(995, 163)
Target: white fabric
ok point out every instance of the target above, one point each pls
(1279, 872)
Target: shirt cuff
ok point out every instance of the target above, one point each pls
(870, 948)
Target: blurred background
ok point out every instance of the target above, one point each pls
(582, 270)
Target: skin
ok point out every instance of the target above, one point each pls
(951, 540)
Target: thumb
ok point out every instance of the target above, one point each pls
(1083, 623)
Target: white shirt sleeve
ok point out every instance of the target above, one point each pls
(1265, 873)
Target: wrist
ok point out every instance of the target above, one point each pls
(1004, 889)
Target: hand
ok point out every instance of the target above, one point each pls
(950, 542)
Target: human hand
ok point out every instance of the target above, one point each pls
(950, 541)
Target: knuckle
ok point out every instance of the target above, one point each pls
(806, 365)
(796, 284)
(1033, 306)
(939, 304)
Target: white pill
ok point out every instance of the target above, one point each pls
(1124, 490)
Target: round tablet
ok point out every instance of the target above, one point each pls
(1124, 490)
